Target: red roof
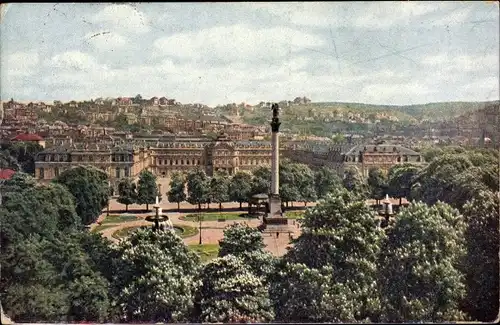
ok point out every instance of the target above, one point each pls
(27, 137)
(6, 173)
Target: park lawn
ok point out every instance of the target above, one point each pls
(181, 230)
(294, 214)
(99, 228)
(206, 252)
(119, 218)
(213, 216)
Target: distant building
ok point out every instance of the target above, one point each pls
(27, 137)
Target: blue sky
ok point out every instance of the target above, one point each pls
(216, 53)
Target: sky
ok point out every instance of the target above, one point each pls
(395, 53)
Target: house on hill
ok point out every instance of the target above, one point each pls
(29, 137)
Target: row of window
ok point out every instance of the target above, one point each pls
(173, 162)
(68, 158)
(119, 172)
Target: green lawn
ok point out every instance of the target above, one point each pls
(181, 230)
(99, 228)
(295, 214)
(213, 216)
(206, 252)
(119, 218)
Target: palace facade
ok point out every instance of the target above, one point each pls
(162, 158)
(165, 155)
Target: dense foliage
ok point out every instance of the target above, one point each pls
(420, 277)
(90, 189)
(434, 262)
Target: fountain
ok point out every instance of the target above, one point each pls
(158, 218)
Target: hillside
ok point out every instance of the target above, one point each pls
(326, 118)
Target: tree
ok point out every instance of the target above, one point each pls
(137, 99)
(288, 185)
(340, 232)
(353, 181)
(419, 274)
(147, 190)
(89, 186)
(230, 293)
(481, 266)
(40, 210)
(127, 192)
(177, 189)
(156, 280)
(240, 187)
(325, 181)
(304, 295)
(198, 187)
(400, 180)
(377, 183)
(24, 153)
(436, 181)
(218, 192)
(305, 183)
(261, 180)
(246, 243)
(56, 277)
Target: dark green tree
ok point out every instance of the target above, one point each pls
(89, 186)
(481, 266)
(198, 187)
(289, 183)
(419, 275)
(240, 187)
(353, 181)
(40, 210)
(177, 192)
(147, 190)
(25, 153)
(219, 190)
(127, 192)
(261, 180)
(377, 183)
(400, 180)
(305, 183)
(325, 181)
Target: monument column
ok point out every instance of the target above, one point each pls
(274, 198)
(275, 161)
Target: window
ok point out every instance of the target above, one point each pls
(127, 172)
(117, 172)
(56, 172)
(42, 173)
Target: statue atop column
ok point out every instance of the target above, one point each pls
(275, 122)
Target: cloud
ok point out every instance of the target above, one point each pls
(361, 15)
(74, 61)
(106, 40)
(237, 42)
(21, 64)
(444, 62)
(457, 16)
(123, 17)
(394, 92)
(379, 16)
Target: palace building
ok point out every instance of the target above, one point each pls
(164, 155)
(162, 158)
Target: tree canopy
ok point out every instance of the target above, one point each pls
(177, 192)
(147, 190)
(419, 265)
(89, 186)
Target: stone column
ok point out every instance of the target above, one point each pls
(275, 163)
